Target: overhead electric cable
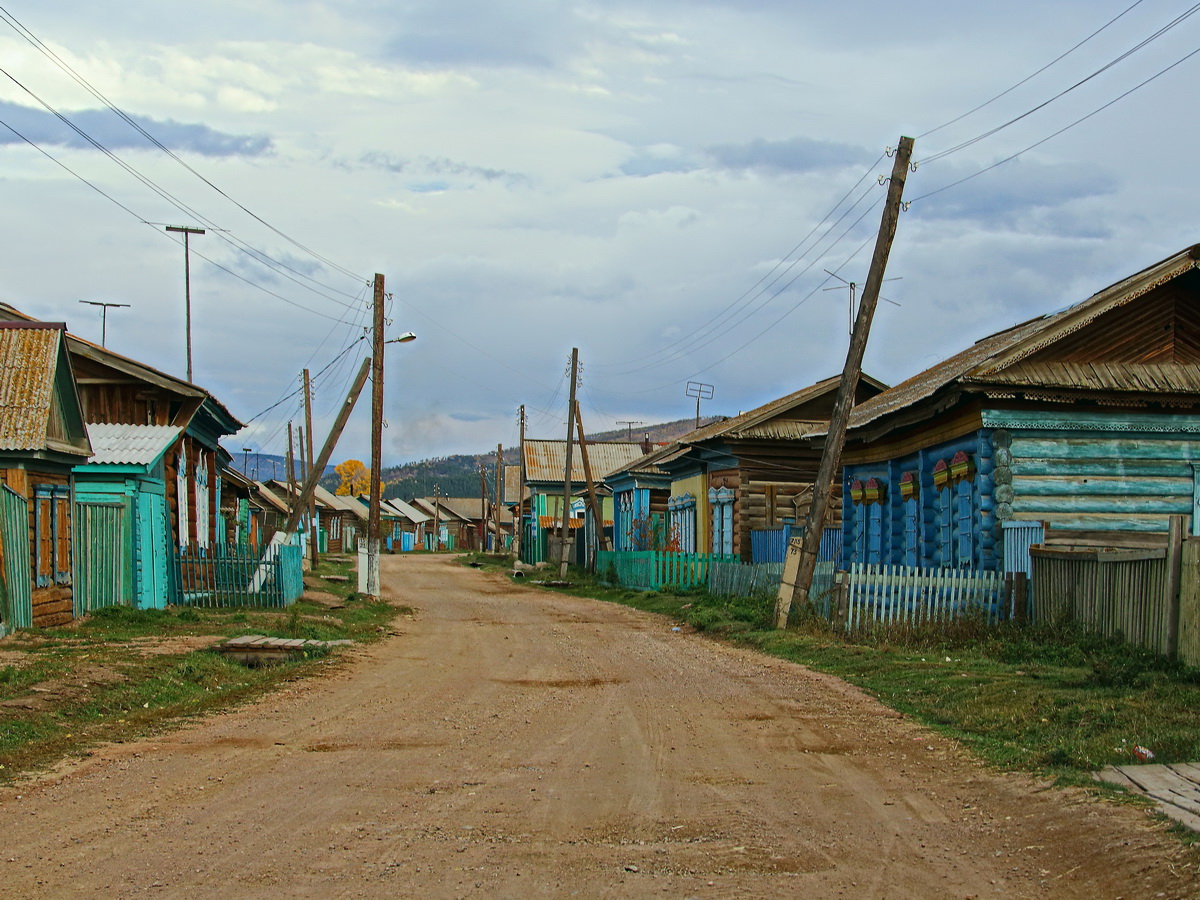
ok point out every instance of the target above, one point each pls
(29, 36)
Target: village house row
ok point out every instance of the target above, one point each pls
(1086, 419)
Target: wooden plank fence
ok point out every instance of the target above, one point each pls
(651, 570)
(903, 594)
(735, 579)
(17, 595)
(226, 577)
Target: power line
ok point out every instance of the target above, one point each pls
(86, 85)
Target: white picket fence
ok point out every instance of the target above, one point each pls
(880, 593)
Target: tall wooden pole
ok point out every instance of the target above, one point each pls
(797, 586)
(187, 286)
(484, 512)
(566, 510)
(437, 508)
(519, 518)
(291, 472)
(312, 503)
(499, 504)
(376, 440)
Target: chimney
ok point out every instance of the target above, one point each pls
(646, 445)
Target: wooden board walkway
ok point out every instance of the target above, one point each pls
(1175, 787)
(257, 649)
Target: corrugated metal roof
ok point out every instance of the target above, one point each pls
(28, 360)
(546, 460)
(471, 508)
(408, 511)
(130, 445)
(988, 361)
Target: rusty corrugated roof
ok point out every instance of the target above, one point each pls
(545, 461)
(997, 359)
(28, 358)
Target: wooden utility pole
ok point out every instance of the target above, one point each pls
(484, 512)
(330, 442)
(291, 472)
(376, 440)
(499, 504)
(566, 510)
(312, 503)
(304, 468)
(802, 560)
(187, 286)
(437, 508)
(519, 518)
(597, 514)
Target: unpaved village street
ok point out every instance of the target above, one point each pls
(512, 742)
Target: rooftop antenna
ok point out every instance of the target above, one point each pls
(700, 391)
(104, 307)
(852, 285)
(629, 427)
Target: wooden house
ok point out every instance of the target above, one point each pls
(337, 520)
(478, 513)
(124, 484)
(754, 471)
(408, 526)
(544, 466)
(446, 527)
(116, 390)
(1088, 418)
(42, 438)
(643, 506)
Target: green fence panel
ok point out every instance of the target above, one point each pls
(17, 612)
(103, 563)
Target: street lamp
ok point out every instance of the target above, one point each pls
(245, 464)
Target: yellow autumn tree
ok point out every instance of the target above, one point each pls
(356, 478)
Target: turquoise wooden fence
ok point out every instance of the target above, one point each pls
(103, 570)
(651, 570)
(223, 577)
(16, 610)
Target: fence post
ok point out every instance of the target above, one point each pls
(841, 596)
(1176, 528)
(1020, 597)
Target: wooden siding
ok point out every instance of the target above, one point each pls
(1066, 470)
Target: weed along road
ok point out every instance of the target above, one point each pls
(513, 742)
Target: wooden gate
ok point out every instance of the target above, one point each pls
(103, 575)
(16, 602)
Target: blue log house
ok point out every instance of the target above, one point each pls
(1085, 419)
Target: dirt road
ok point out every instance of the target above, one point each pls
(516, 743)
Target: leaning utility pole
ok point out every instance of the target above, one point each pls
(566, 510)
(330, 442)
(376, 440)
(597, 515)
(187, 286)
(802, 560)
(312, 503)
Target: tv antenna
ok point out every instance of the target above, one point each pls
(700, 391)
(853, 286)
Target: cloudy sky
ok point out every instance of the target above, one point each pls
(662, 184)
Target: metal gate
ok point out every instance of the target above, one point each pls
(102, 572)
(16, 603)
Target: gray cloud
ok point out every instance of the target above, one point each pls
(424, 167)
(536, 34)
(797, 154)
(42, 127)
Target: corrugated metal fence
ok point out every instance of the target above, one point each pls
(17, 608)
(769, 545)
(221, 578)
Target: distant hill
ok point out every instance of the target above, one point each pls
(265, 466)
(458, 476)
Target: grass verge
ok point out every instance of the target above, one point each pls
(122, 674)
